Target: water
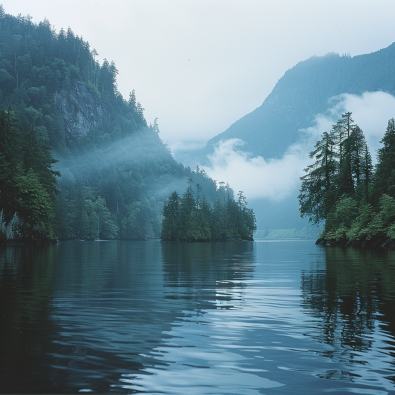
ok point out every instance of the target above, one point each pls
(269, 317)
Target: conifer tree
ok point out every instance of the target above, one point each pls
(343, 131)
(384, 178)
(27, 182)
(10, 160)
(317, 189)
(171, 218)
(193, 219)
(366, 173)
(364, 204)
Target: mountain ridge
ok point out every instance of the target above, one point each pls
(303, 92)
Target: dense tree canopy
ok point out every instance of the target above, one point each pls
(115, 170)
(342, 188)
(113, 164)
(27, 183)
(192, 218)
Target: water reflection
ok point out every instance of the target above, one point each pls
(26, 289)
(82, 316)
(210, 275)
(351, 300)
(197, 317)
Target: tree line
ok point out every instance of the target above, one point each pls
(343, 188)
(36, 204)
(114, 177)
(192, 218)
(97, 196)
(27, 184)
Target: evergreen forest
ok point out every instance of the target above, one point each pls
(343, 188)
(192, 218)
(77, 160)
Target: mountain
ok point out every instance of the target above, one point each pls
(115, 170)
(302, 93)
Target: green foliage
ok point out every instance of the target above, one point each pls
(116, 171)
(316, 193)
(360, 228)
(382, 224)
(340, 218)
(35, 208)
(171, 215)
(43, 73)
(27, 183)
(193, 218)
(342, 167)
(357, 202)
(384, 177)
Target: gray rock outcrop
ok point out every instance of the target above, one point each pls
(80, 110)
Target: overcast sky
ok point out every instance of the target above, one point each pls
(199, 65)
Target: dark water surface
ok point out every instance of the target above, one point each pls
(280, 317)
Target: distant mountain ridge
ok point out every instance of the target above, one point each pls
(303, 92)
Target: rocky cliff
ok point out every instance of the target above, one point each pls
(80, 110)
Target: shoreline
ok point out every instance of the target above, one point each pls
(377, 243)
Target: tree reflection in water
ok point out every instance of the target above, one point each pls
(351, 301)
(81, 315)
(210, 275)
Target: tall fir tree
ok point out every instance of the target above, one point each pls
(317, 189)
(384, 178)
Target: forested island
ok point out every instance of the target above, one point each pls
(343, 188)
(77, 160)
(192, 218)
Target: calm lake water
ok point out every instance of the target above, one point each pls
(264, 317)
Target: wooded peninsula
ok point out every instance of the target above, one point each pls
(343, 188)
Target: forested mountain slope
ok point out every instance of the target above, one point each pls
(302, 93)
(115, 170)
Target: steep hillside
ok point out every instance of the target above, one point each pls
(115, 170)
(303, 92)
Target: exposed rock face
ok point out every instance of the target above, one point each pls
(80, 110)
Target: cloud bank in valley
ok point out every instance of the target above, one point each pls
(277, 178)
(255, 176)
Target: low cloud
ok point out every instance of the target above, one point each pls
(182, 145)
(275, 179)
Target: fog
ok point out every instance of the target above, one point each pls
(130, 152)
(276, 179)
(131, 149)
(200, 65)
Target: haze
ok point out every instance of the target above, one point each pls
(198, 66)
(276, 179)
